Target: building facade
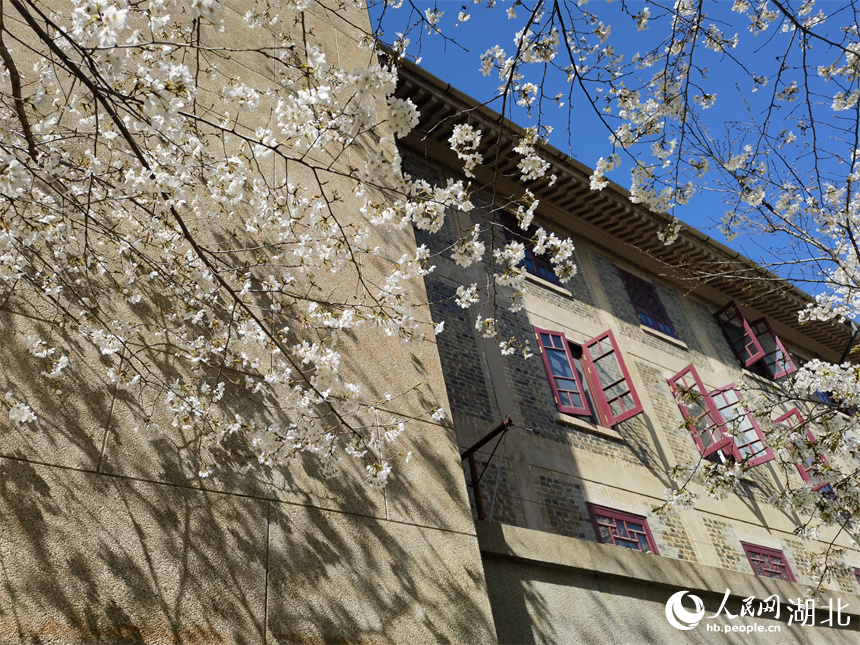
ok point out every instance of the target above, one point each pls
(634, 371)
(110, 537)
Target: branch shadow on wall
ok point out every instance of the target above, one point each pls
(539, 603)
(112, 537)
(113, 559)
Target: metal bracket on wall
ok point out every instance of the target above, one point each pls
(469, 454)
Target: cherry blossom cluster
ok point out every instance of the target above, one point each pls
(190, 222)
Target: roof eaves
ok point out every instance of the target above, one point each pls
(698, 245)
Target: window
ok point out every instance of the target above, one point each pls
(824, 397)
(768, 563)
(857, 575)
(719, 424)
(539, 265)
(818, 395)
(755, 344)
(565, 374)
(747, 435)
(534, 263)
(643, 297)
(777, 362)
(589, 380)
(622, 529)
(700, 414)
(807, 468)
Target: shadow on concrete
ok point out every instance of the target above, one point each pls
(112, 537)
(538, 603)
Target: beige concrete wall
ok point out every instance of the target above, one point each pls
(109, 537)
(551, 589)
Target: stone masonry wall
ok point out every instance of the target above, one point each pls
(628, 320)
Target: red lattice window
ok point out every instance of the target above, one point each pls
(539, 265)
(777, 362)
(534, 263)
(717, 420)
(740, 335)
(594, 370)
(768, 563)
(748, 438)
(807, 468)
(755, 344)
(643, 297)
(701, 416)
(565, 375)
(622, 529)
(610, 381)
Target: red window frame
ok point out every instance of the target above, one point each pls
(565, 383)
(777, 362)
(857, 575)
(754, 343)
(701, 416)
(707, 415)
(612, 387)
(740, 335)
(622, 529)
(747, 436)
(605, 372)
(539, 265)
(768, 563)
(643, 296)
(793, 419)
(830, 399)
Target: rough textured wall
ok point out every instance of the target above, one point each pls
(553, 589)
(109, 537)
(544, 605)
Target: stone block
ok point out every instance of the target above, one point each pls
(72, 412)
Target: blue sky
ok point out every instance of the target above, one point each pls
(587, 138)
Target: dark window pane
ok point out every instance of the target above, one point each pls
(558, 363)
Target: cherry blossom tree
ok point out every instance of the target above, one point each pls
(184, 208)
(170, 196)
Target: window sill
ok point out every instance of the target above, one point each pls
(600, 431)
(547, 284)
(666, 337)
